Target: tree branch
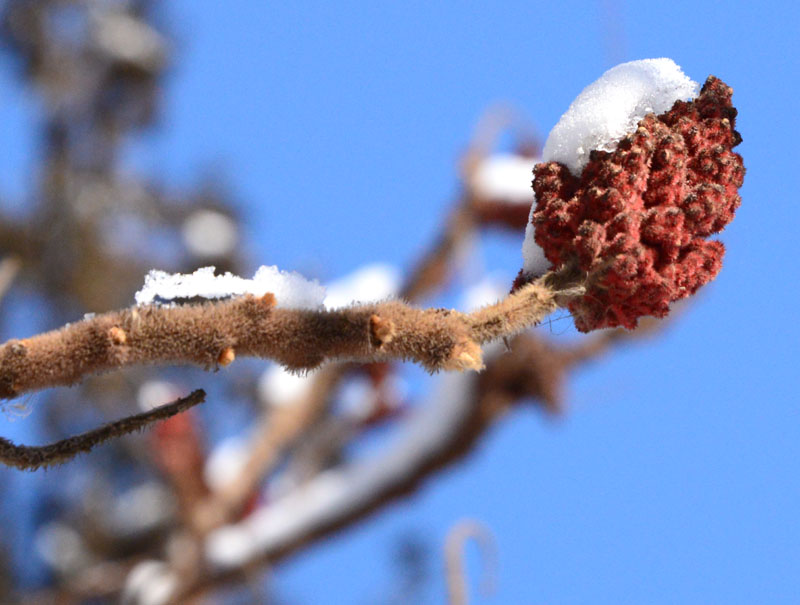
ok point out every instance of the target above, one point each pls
(212, 334)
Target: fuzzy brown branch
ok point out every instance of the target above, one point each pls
(284, 426)
(212, 334)
(28, 457)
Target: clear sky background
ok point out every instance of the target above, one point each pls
(674, 475)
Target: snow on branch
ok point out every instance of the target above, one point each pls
(506, 177)
(291, 290)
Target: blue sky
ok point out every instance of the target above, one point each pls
(338, 125)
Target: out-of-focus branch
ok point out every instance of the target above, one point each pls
(276, 432)
(596, 345)
(434, 267)
(455, 542)
(439, 431)
(9, 267)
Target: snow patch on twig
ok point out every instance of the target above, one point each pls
(600, 117)
(505, 177)
(291, 290)
(209, 234)
(535, 263)
(487, 291)
(228, 459)
(370, 283)
(279, 387)
(150, 583)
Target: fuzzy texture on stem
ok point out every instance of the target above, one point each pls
(213, 334)
(636, 220)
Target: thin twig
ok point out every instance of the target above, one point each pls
(31, 457)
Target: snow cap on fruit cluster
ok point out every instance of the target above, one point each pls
(600, 116)
(612, 106)
(629, 197)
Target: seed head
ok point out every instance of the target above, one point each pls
(637, 219)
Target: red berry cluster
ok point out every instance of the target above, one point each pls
(636, 219)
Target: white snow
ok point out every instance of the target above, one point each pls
(62, 547)
(370, 283)
(208, 233)
(357, 398)
(612, 106)
(291, 290)
(150, 582)
(142, 508)
(504, 177)
(601, 115)
(487, 291)
(226, 460)
(125, 38)
(155, 393)
(279, 387)
(535, 263)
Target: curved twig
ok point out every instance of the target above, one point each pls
(455, 542)
(31, 457)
